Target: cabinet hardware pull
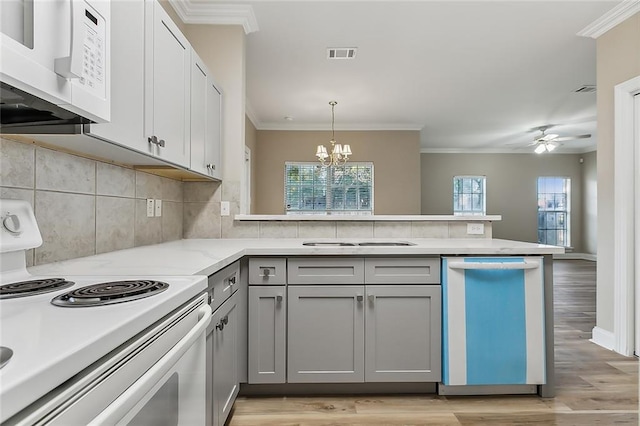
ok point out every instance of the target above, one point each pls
(279, 298)
(161, 143)
(372, 298)
(153, 140)
(220, 326)
(232, 280)
(211, 166)
(359, 298)
(225, 320)
(266, 272)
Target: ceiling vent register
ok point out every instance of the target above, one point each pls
(341, 52)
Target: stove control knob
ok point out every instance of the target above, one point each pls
(11, 223)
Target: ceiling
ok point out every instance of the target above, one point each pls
(469, 75)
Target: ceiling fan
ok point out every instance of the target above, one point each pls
(547, 142)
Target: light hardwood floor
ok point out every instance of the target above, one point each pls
(594, 386)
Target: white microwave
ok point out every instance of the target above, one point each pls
(55, 62)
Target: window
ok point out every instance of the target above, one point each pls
(313, 189)
(469, 195)
(553, 210)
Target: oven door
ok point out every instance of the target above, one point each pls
(155, 378)
(171, 392)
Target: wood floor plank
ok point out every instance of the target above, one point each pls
(594, 386)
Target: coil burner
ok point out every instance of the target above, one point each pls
(109, 293)
(33, 287)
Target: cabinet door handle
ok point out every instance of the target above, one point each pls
(161, 143)
(372, 298)
(279, 298)
(266, 272)
(359, 298)
(225, 320)
(211, 166)
(220, 326)
(153, 140)
(232, 280)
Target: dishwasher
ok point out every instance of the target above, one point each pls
(493, 324)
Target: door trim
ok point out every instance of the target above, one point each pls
(624, 219)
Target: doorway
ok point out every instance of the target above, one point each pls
(626, 325)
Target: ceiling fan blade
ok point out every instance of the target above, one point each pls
(570, 138)
(548, 137)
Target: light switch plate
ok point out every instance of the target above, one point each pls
(474, 228)
(158, 208)
(150, 207)
(224, 208)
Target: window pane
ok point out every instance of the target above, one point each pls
(554, 210)
(312, 188)
(469, 195)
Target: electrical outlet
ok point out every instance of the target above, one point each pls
(475, 228)
(158, 208)
(150, 207)
(224, 208)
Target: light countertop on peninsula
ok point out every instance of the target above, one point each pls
(366, 218)
(206, 256)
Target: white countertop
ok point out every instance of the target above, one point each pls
(366, 218)
(206, 256)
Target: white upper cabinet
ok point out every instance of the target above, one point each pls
(127, 76)
(167, 85)
(165, 103)
(205, 121)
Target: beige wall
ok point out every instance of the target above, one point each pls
(511, 188)
(395, 154)
(618, 60)
(250, 141)
(590, 203)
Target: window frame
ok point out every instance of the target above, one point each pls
(483, 193)
(327, 188)
(566, 229)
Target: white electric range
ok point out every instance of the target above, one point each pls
(96, 349)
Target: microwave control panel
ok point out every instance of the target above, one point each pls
(94, 55)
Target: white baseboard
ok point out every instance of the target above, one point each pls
(603, 338)
(576, 256)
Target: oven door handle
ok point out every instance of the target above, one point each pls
(127, 400)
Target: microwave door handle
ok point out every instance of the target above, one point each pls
(71, 66)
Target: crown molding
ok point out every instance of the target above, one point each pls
(498, 151)
(615, 16)
(344, 127)
(251, 115)
(191, 12)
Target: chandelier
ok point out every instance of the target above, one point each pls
(339, 154)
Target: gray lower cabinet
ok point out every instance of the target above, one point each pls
(402, 333)
(224, 344)
(267, 339)
(325, 334)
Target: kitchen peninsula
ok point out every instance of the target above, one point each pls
(210, 256)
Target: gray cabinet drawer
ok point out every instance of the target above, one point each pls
(223, 284)
(325, 270)
(267, 271)
(412, 270)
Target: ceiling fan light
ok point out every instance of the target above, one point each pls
(540, 149)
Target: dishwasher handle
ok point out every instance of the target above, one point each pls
(493, 265)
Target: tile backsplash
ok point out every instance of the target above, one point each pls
(85, 207)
